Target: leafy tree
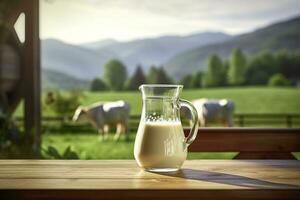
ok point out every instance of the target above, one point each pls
(152, 75)
(115, 74)
(186, 81)
(288, 63)
(278, 80)
(163, 77)
(261, 68)
(158, 76)
(192, 81)
(137, 79)
(237, 67)
(214, 75)
(98, 85)
(196, 81)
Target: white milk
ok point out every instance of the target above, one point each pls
(160, 145)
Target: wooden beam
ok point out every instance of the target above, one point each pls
(31, 82)
(258, 143)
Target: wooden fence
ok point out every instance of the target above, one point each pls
(290, 120)
(240, 120)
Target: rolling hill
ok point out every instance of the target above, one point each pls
(282, 35)
(156, 51)
(75, 61)
(99, 44)
(86, 61)
(56, 80)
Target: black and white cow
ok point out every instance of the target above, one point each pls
(214, 110)
(219, 110)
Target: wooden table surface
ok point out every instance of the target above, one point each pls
(122, 179)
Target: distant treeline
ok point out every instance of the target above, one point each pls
(265, 68)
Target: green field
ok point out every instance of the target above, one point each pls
(90, 146)
(247, 100)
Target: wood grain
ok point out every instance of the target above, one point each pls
(212, 179)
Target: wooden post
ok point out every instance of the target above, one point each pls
(241, 120)
(289, 121)
(31, 84)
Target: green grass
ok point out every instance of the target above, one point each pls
(246, 99)
(90, 146)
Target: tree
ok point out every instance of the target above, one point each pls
(214, 75)
(237, 67)
(137, 79)
(278, 80)
(158, 76)
(261, 68)
(152, 75)
(186, 81)
(98, 85)
(197, 79)
(163, 77)
(115, 74)
(288, 63)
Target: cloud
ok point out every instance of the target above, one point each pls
(190, 9)
(86, 20)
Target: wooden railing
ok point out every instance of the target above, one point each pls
(251, 143)
(289, 120)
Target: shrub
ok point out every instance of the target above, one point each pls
(52, 152)
(64, 103)
(98, 85)
(278, 80)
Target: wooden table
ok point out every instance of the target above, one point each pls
(122, 179)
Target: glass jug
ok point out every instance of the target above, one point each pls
(160, 143)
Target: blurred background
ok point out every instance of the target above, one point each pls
(94, 51)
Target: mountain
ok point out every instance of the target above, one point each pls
(73, 60)
(99, 44)
(156, 51)
(179, 55)
(56, 80)
(86, 61)
(282, 35)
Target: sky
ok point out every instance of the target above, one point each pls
(81, 21)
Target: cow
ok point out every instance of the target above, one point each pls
(212, 110)
(220, 110)
(105, 115)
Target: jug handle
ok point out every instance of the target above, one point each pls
(194, 129)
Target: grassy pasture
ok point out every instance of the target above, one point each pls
(247, 100)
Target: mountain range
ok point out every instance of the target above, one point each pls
(179, 55)
(56, 80)
(86, 61)
(282, 35)
(156, 51)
